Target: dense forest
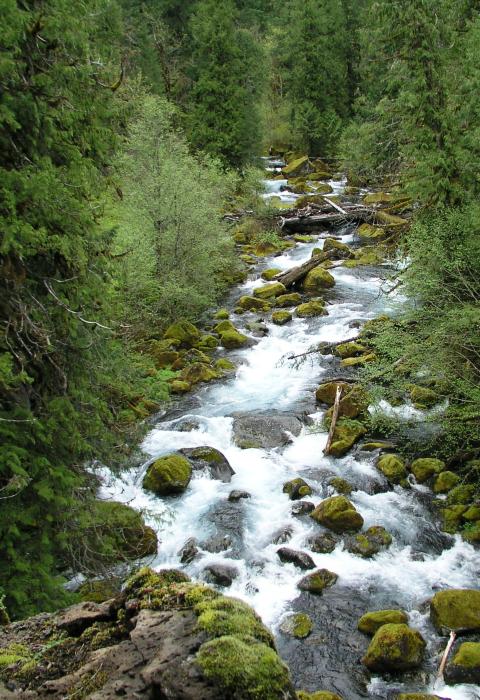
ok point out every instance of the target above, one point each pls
(130, 138)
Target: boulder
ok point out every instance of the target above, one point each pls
(370, 542)
(298, 625)
(423, 398)
(280, 318)
(211, 460)
(236, 495)
(249, 303)
(350, 349)
(337, 513)
(327, 391)
(300, 508)
(394, 647)
(185, 332)
(287, 300)
(265, 431)
(317, 581)
(233, 339)
(179, 387)
(318, 279)
(316, 307)
(358, 361)
(373, 234)
(456, 609)
(337, 249)
(379, 198)
(221, 574)
(218, 543)
(293, 556)
(464, 667)
(391, 222)
(347, 432)
(445, 481)
(207, 342)
(257, 328)
(425, 467)
(323, 543)
(297, 488)
(318, 695)
(197, 372)
(168, 475)
(462, 494)
(225, 325)
(297, 167)
(393, 467)
(221, 314)
(166, 358)
(352, 404)
(371, 622)
(269, 274)
(224, 365)
(269, 291)
(453, 518)
(78, 617)
(340, 485)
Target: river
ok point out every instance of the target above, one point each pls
(405, 575)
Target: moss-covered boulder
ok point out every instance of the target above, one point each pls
(297, 489)
(379, 198)
(223, 615)
(269, 291)
(288, 300)
(417, 696)
(168, 475)
(198, 372)
(337, 513)
(317, 695)
(224, 365)
(207, 342)
(298, 625)
(372, 234)
(327, 391)
(166, 358)
(353, 404)
(337, 249)
(393, 467)
(464, 667)
(472, 534)
(453, 518)
(391, 222)
(368, 255)
(445, 481)
(310, 309)
(233, 339)
(269, 274)
(183, 331)
(317, 581)
(456, 609)
(340, 485)
(303, 238)
(422, 397)
(370, 542)
(351, 349)
(177, 386)
(395, 647)
(221, 314)
(317, 280)
(462, 494)
(371, 622)
(347, 432)
(299, 166)
(280, 318)
(225, 325)
(426, 467)
(322, 174)
(472, 513)
(358, 361)
(248, 303)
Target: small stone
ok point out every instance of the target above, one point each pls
(237, 495)
(341, 485)
(297, 488)
(317, 581)
(302, 507)
(369, 543)
(294, 556)
(322, 544)
(282, 535)
(189, 551)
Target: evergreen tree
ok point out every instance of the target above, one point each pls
(317, 72)
(226, 75)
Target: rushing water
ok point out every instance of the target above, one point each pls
(406, 574)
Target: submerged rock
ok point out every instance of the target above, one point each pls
(338, 514)
(211, 460)
(370, 542)
(265, 431)
(371, 622)
(317, 581)
(294, 556)
(282, 535)
(236, 495)
(323, 543)
(456, 609)
(395, 647)
(298, 625)
(168, 475)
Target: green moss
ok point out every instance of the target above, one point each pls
(317, 581)
(338, 514)
(99, 590)
(425, 467)
(287, 300)
(372, 621)
(422, 397)
(232, 339)
(358, 361)
(468, 655)
(370, 233)
(269, 274)
(341, 485)
(472, 514)
(351, 349)
(207, 342)
(318, 279)
(221, 314)
(370, 542)
(298, 625)
(391, 222)
(353, 404)
(416, 696)
(347, 432)
(168, 475)
(280, 318)
(244, 668)
(316, 307)
(14, 654)
(179, 387)
(472, 534)
(269, 291)
(183, 331)
(297, 488)
(297, 167)
(196, 373)
(229, 616)
(393, 467)
(452, 518)
(223, 326)
(395, 647)
(248, 303)
(445, 481)
(326, 392)
(317, 695)
(456, 609)
(301, 238)
(461, 494)
(224, 365)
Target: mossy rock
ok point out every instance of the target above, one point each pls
(244, 668)
(377, 445)
(299, 166)
(393, 467)
(370, 542)
(280, 318)
(351, 349)
(224, 325)
(222, 314)
(338, 514)
(183, 331)
(341, 250)
(317, 695)
(379, 198)
(358, 361)
(465, 665)
(327, 391)
(232, 339)
(298, 625)
(297, 489)
(224, 365)
(367, 232)
(269, 291)
(168, 475)
(248, 259)
(166, 358)
(303, 238)
(417, 696)
(177, 386)
(347, 432)
(354, 403)
(269, 274)
(462, 494)
(320, 175)
(371, 622)
(248, 303)
(472, 534)
(445, 481)
(340, 485)
(395, 647)
(391, 222)
(310, 309)
(224, 616)
(472, 514)
(456, 609)
(426, 467)
(198, 372)
(422, 397)
(288, 300)
(266, 248)
(207, 342)
(453, 518)
(318, 279)
(367, 256)
(317, 581)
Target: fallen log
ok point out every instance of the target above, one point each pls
(305, 221)
(336, 409)
(296, 274)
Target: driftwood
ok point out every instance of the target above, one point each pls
(336, 409)
(314, 218)
(295, 274)
(444, 660)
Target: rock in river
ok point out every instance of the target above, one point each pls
(293, 556)
(395, 647)
(221, 574)
(265, 431)
(338, 514)
(210, 459)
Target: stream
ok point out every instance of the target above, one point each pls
(421, 559)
